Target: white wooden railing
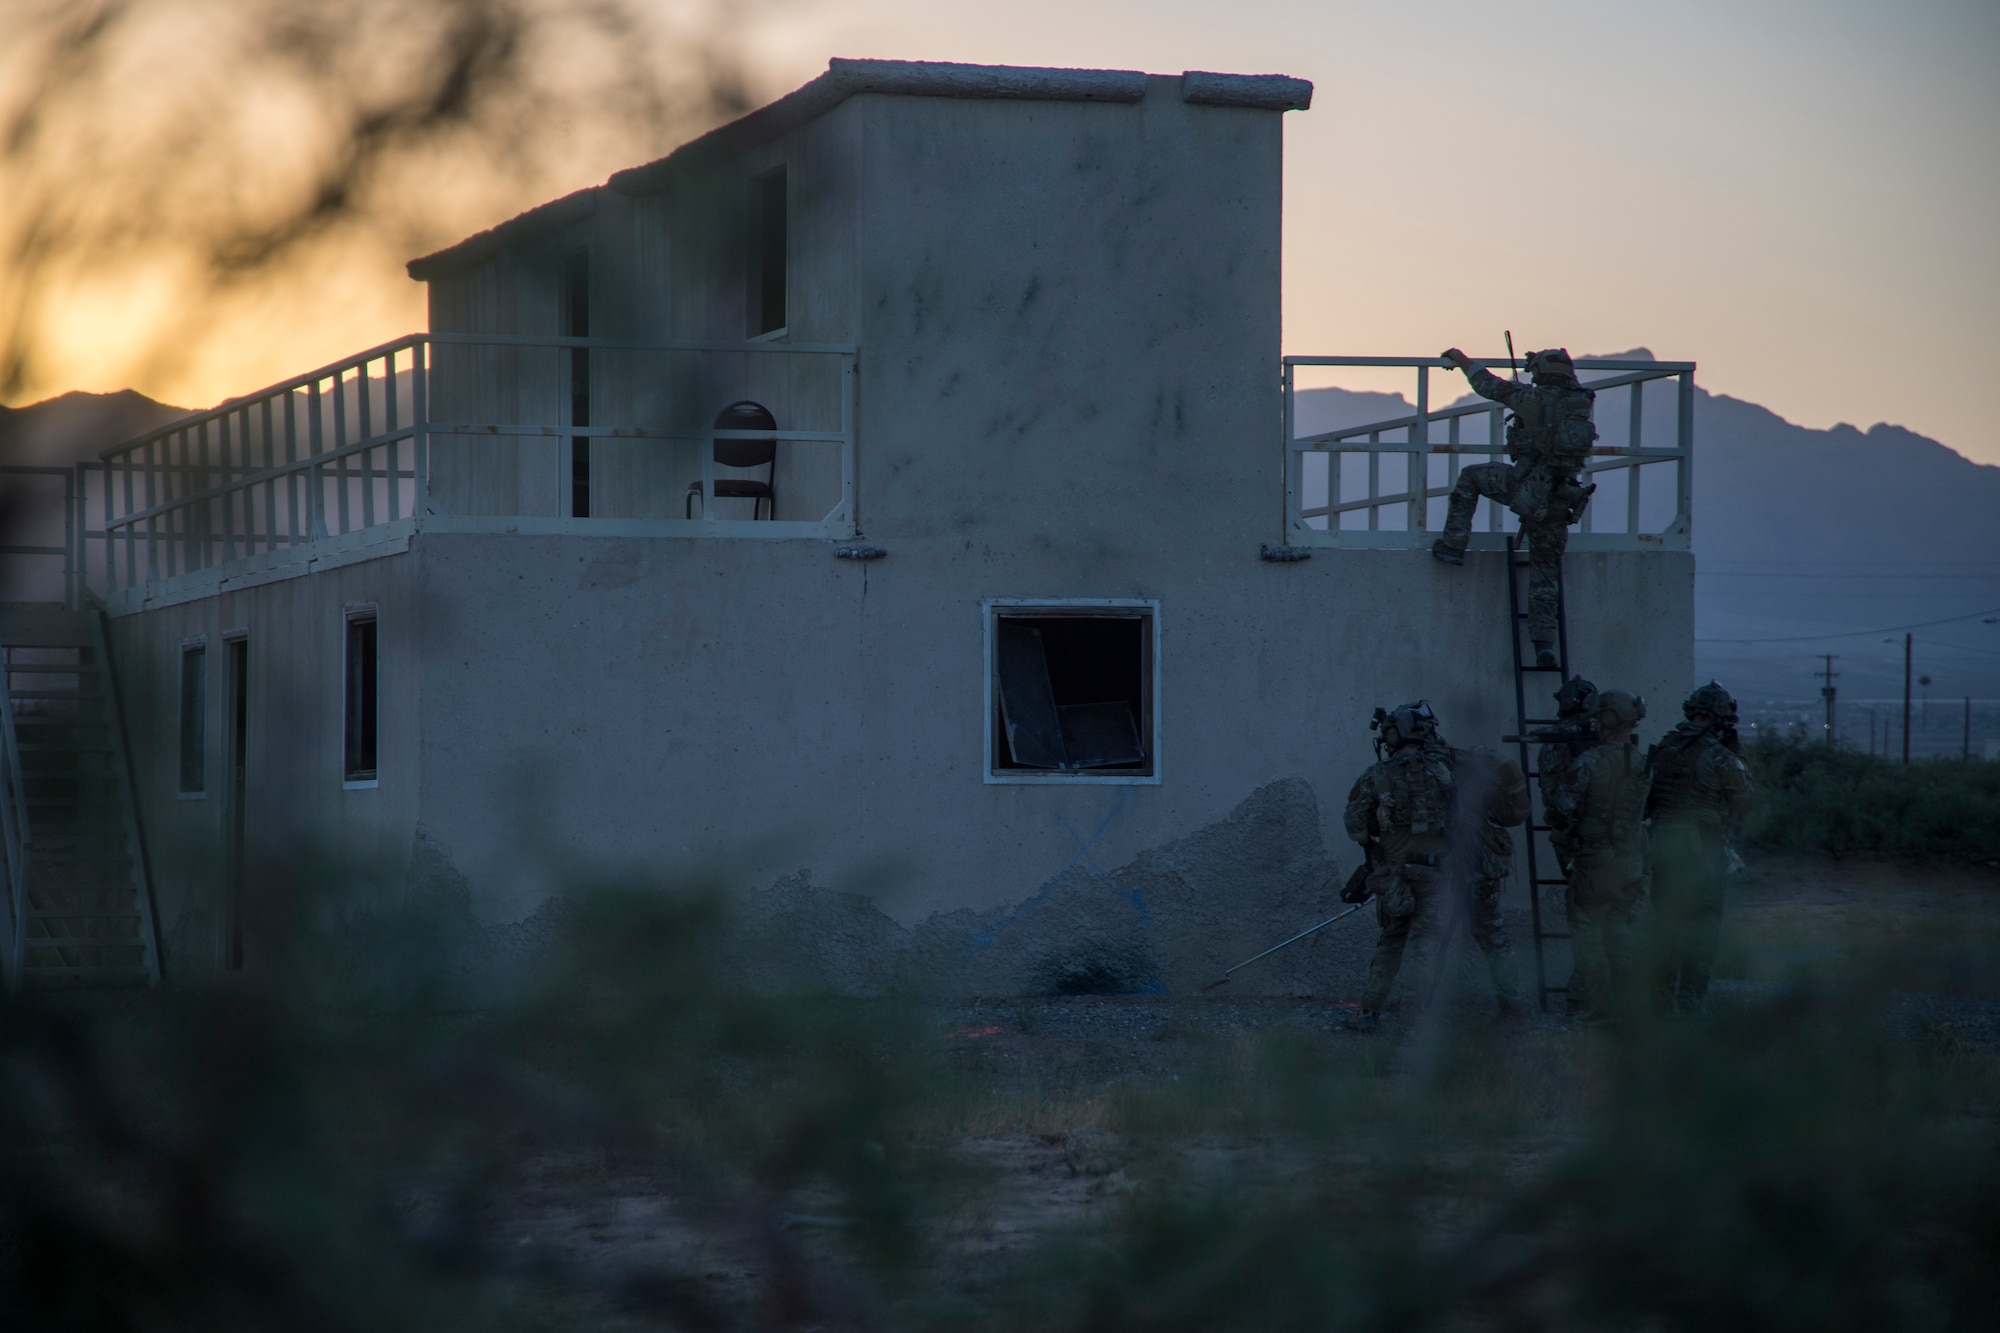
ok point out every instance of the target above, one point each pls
(459, 432)
(1384, 483)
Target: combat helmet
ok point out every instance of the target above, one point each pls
(1554, 363)
(1404, 724)
(1574, 698)
(1619, 708)
(1713, 701)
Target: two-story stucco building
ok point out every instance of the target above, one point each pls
(871, 495)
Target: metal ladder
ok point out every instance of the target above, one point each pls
(78, 899)
(1539, 854)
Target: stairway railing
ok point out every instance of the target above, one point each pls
(32, 514)
(14, 833)
(142, 875)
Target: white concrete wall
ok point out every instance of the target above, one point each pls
(1069, 321)
(299, 820)
(679, 705)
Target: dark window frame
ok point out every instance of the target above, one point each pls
(767, 252)
(576, 324)
(193, 775)
(1000, 765)
(360, 732)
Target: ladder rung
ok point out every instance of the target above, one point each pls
(126, 970)
(104, 914)
(1548, 935)
(37, 748)
(55, 694)
(54, 668)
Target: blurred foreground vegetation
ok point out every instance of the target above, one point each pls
(1815, 799)
(284, 1156)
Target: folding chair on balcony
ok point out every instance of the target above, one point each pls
(760, 452)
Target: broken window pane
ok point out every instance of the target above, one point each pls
(1027, 704)
(1073, 691)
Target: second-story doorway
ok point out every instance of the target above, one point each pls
(576, 324)
(236, 774)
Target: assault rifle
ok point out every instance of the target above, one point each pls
(1563, 733)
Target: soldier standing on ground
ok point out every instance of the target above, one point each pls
(1700, 796)
(1574, 733)
(1399, 811)
(1549, 435)
(1602, 800)
(1490, 796)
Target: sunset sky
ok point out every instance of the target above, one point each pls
(1802, 197)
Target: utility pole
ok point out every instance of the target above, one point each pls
(1966, 752)
(1908, 639)
(1826, 693)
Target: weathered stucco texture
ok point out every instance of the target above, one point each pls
(1067, 316)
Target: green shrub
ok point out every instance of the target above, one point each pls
(1827, 800)
(259, 1157)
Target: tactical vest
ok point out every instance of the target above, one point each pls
(1617, 800)
(1685, 784)
(1412, 805)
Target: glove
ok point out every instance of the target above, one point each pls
(1356, 889)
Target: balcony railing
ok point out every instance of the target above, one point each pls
(471, 433)
(1384, 483)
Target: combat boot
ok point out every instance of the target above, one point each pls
(1545, 655)
(1451, 555)
(1362, 1020)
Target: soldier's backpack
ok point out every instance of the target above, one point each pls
(1569, 430)
(1620, 781)
(1415, 797)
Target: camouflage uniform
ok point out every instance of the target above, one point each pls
(1480, 838)
(1577, 723)
(1602, 800)
(1548, 440)
(1700, 795)
(1401, 807)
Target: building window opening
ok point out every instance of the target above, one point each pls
(237, 805)
(194, 719)
(1073, 692)
(576, 324)
(768, 241)
(359, 764)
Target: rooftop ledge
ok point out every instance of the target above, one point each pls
(844, 79)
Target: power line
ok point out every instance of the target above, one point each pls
(1858, 633)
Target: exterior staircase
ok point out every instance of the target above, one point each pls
(78, 903)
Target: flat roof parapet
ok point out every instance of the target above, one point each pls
(845, 78)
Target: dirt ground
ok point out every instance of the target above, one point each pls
(1025, 1139)
(1054, 1112)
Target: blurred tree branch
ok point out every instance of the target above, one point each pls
(168, 167)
